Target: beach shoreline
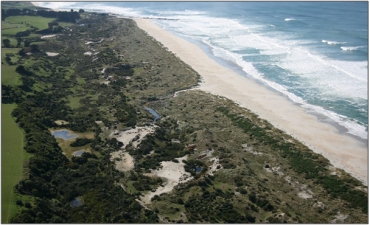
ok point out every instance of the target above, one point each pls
(342, 150)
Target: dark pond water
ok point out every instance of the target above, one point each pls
(154, 113)
(76, 202)
(64, 134)
(198, 169)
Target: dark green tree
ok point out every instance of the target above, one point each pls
(6, 43)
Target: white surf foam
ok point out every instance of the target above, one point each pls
(55, 5)
(289, 19)
(334, 42)
(351, 48)
(352, 126)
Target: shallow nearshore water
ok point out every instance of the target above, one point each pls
(320, 117)
(342, 150)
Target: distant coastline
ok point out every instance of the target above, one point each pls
(344, 150)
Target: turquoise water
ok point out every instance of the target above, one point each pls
(154, 113)
(64, 134)
(79, 153)
(314, 53)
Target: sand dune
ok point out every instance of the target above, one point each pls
(342, 150)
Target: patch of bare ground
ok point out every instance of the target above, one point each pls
(134, 136)
(122, 160)
(173, 173)
(61, 122)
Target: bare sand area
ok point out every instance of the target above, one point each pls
(134, 136)
(343, 151)
(173, 173)
(123, 160)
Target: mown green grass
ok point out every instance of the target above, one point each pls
(8, 74)
(12, 31)
(7, 25)
(36, 21)
(12, 158)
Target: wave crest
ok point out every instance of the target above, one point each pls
(333, 42)
(351, 48)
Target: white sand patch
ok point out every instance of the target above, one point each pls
(339, 218)
(250, 150)
(174, 173)
(48, 36)
(304, 195)
(276, 170)
(61, 122)
(343, 151)
(319, 205)
(129, 135)
(304, 192)
(123, 161)
(215, 166)
(88, 53)
(52, 53)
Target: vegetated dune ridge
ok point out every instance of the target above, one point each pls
(343, 151)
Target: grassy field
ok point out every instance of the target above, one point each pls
(12, 158)
(8, 74)
(36, 21)
(13, 31)
(13, 41)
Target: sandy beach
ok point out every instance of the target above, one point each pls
(343, 151)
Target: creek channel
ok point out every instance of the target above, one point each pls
(154, 113)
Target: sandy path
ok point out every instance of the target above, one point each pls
(342, 150)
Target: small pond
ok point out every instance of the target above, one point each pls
(154, 113)
(198, 169)
(64, 134)
(79, 153)
(76, 202)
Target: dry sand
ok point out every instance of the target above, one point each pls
(52, 53)
(342, 150)
(123, 160)
(48, 36)
(174, 173)
(127, 136)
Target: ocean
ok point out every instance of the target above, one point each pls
(314, 53)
